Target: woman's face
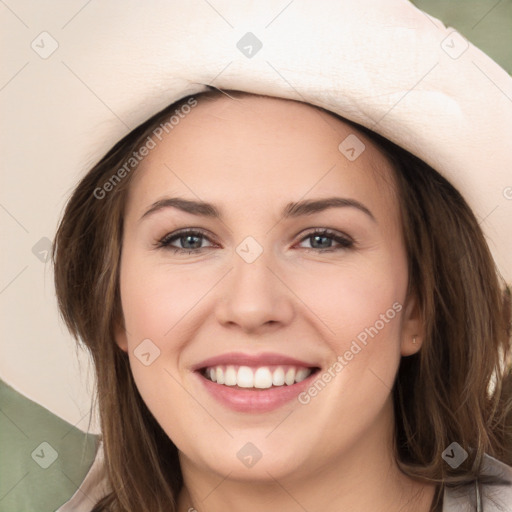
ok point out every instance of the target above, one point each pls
(257, 298)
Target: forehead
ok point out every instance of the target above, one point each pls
(228, 149)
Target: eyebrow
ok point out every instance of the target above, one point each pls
(291, 210)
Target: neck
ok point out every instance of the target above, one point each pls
(364, 478)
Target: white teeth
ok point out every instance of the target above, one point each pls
(244, 377)
(278, 377)
(230, 376)
(263, 377)
(289, 378)
(301, 374)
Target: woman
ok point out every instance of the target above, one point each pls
(373, 293)
(341, 342)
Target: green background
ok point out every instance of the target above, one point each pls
(485, 23)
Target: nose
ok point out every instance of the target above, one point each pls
(255, 297)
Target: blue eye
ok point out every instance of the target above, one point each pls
(320, 236)
(191, 241)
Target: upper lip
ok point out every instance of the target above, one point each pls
(241, 359)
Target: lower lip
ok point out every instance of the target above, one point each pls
(255, 400)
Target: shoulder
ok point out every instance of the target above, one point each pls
(91, 490)
(493, 498)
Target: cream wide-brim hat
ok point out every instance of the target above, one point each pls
(107, 68)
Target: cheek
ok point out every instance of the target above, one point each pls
(352, 298)
(362, 306)
(155, 298)
(155, 302)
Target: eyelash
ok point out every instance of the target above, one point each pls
(164, 243)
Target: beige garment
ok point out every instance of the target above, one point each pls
(487, 498)
(492, 499)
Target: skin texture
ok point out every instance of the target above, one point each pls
(250, 157)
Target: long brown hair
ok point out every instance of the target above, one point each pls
(456, 388)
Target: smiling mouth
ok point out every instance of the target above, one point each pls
(257, 378)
